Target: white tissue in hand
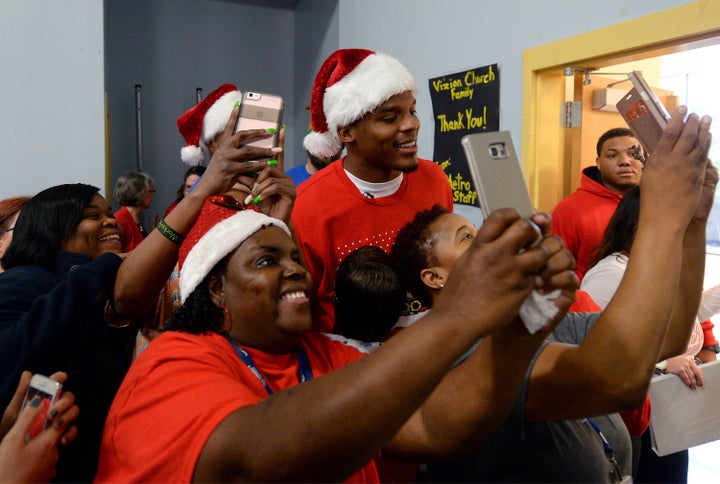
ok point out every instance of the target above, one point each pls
(537, 309)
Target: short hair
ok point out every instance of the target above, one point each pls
(8, 208)
(413, 251)
(620, 231)
(369, 296)
(46, 223)
(612, 133)
(198, 170)
(319, 162)
(132, 187)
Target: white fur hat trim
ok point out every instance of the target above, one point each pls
(372, 82)
(217, 115)
(219, 241)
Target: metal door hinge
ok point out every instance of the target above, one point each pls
(571, 114)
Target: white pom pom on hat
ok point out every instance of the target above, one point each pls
(350, 84)
(202, 122)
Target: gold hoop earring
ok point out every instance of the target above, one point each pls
(227, 322)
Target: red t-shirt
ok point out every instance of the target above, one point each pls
(131, 235)
(182, 387)
(332, 219)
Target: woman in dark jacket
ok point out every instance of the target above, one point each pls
(60, 271)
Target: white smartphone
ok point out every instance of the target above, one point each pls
(496, 172)
(643, 112)
(48, 390)
(261, 111)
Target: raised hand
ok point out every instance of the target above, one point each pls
(675, 171)
(233, 158)
(496, 273)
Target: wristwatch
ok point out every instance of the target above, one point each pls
(660, 367)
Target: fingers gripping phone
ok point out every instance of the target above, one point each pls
(261, 111)
(497, 175)
(643, 112)
(48, 390)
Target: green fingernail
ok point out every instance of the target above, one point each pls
(237, 103)
(272, 130)
(283, 126)
(256, 200)
(272, 162)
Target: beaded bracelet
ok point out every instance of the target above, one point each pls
(169, 233)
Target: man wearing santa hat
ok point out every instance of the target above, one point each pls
(366, 101)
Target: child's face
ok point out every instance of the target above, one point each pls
(453, 236)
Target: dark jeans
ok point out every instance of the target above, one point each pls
(653, 468)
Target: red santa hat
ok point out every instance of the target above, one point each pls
(350, 84)
(220, 229)
(202, 122)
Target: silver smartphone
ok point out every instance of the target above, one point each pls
(261, 111)
(497, 175)
(48, 390)
(643, 112)
(496, 172)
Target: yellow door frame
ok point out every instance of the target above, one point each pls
(681, 28)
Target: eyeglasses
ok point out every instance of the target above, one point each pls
(9, 229)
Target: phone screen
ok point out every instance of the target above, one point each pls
(46, 401)
(261, 111)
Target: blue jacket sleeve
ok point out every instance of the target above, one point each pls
(38, 308)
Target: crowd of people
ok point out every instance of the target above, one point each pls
(257, 331)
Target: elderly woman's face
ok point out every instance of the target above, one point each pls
(97, 232)
(266, 289)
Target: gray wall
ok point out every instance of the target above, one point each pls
(172, 47)
(434, 39)
(52, 125)
(316, 37)
(51, 116)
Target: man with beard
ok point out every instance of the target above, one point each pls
(366, 101)
(580, 218)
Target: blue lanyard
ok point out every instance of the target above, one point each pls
(615, 471)
(305, 370)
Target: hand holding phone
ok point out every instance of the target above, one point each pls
(43, 391)
(643, 112)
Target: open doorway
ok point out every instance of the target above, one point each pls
(684, 77)
(549, 149)
(544, 140)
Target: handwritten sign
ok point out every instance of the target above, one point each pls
(464, 102)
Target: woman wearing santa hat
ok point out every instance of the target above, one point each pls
(240, 387)
(211, 122)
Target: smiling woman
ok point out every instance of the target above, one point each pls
(60, 270)
(239, 387)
